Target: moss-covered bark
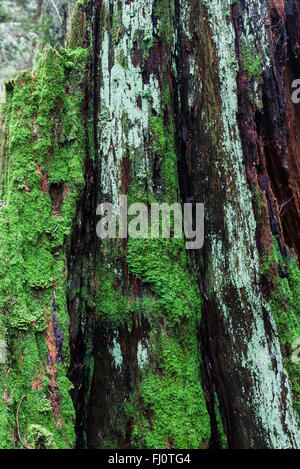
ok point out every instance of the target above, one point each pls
(163, 101)
(41, 183)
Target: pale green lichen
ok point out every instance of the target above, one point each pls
(117, 353)
(142, 354)
(40, 438)
(169, 399)
(122, 87)
(285, 306)
(240, 258)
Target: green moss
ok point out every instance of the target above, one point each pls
(146, 45)
(43, 182)
(171, 391)
(220, 426)
(156, 262)
(285, 306)
(165, 11)
(251, 62)
(40, 438)
(164, 148)
(251, 97)
(172, 412)
(259, 205)
(166, 406)
(112, 305)
(171, 386)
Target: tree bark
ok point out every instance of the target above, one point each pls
(133, 343)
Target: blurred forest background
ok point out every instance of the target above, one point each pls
(25, 27)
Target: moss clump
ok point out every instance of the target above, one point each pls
(251, 63)
(156, 262)
(112, 305)
(164, 148)
(171, 386)
(40, 438)
(171, 391)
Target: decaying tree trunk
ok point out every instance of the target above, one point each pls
(133, 343)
